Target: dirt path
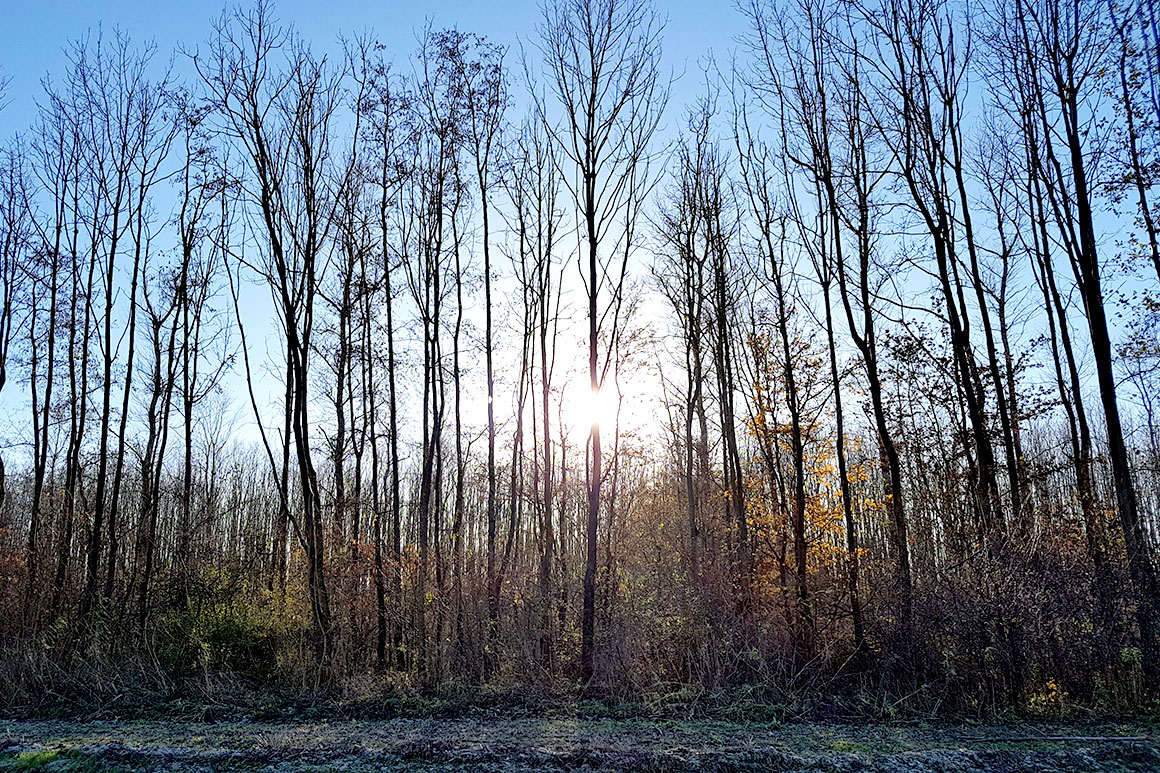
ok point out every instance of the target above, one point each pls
(573, 744)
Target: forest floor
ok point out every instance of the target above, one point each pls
(561, 743)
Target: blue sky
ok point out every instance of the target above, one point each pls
(38, 30)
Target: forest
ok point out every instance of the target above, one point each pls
(480, 365)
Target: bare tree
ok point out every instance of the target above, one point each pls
(478, 74)
(533, 184)
(433, 205)
(384, 107)
(602, 61)
(777, 264)
(1062, 53)
(15, 241)
(120, 123)
(281, 119)
(682, 274)
(797, 52)
(203, 339)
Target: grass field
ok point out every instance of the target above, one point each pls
(561, 743)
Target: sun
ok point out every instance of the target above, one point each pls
(584, 407)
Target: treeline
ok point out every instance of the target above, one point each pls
(907, 257)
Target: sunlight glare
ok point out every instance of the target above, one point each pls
(594, 407)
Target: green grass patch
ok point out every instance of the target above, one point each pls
(63, 760)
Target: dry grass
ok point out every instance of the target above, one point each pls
(470, 744)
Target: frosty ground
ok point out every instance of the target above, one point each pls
(561, 743)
